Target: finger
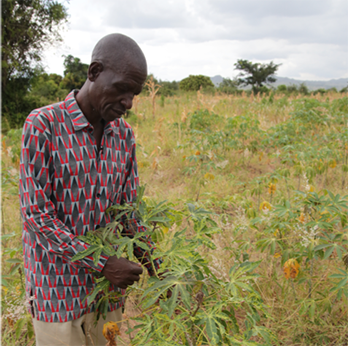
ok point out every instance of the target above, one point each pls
(130, 282)
(135, 263)
(137, 270)
(136, 278)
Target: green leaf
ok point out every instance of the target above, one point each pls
(250, 266)
(185, 296)
(328, 252)
(6, 236)
(14, 260)
(15, 268)
(101, 286)
(82, 254)
(106, 307)
(211, 330)
(311, 310)
(321, 246)
(19, 327)
(172, 302)
(4, 282)
(157, 295)
(233, 319)
(96, 256)
(30, 329)
(337, 276)
(341, 283)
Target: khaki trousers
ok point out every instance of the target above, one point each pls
(72, 334)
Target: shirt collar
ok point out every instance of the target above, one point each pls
(78, 118)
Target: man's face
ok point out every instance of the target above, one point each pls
(113, 91)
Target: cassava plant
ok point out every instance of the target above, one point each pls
(202, 307)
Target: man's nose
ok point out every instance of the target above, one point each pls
(127, 101)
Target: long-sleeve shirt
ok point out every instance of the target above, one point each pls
(66, 186)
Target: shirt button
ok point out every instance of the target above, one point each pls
(98, 195)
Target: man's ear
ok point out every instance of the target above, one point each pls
(94, 70)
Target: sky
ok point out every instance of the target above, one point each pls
(309, 38)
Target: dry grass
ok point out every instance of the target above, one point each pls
(161, 167)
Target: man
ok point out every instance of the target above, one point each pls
(78, 159)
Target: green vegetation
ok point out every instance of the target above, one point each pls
(254, 231)
(194, 83)
(24, 38)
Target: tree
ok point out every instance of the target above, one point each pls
(228, 86)
(75, 73)
(28, 27)
(282, 88)
(45, 89)
(194, 83)
(303, 89)
(255, 74)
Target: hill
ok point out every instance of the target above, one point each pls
(312, 85)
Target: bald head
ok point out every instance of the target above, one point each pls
(116, 74)
(117, 51)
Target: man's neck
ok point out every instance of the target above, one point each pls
(82, 100)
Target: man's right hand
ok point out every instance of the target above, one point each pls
(121, 272)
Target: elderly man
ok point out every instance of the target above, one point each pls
(78, 159)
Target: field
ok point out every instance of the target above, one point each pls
(256, 239)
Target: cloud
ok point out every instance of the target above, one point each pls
(182, 37)
(147, 14)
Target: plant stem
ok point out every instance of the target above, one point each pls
(3, 220)
(130, 334)
(199, 189)
(287, 188)
(293, 288)
(259, 197)
(343, 180)
(310, 280)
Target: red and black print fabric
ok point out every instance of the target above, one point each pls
(66, 186)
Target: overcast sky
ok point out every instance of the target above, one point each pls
(182, 37)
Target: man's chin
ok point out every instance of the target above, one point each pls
(113, 117)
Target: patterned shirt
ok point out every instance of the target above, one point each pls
(66, 186)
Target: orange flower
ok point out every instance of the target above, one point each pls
(197, 153)
(271, 188)
(291, 268)
(110, 330)
(302, 218)
(265, 206)
(209, 176)
(333, 164)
